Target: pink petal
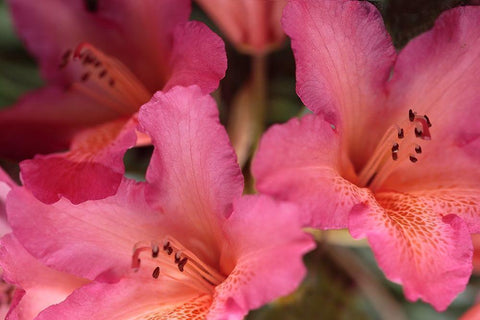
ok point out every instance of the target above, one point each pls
(253, 26)
(434, 76)
(344, 57)
(45, 120)
(262, 235)
(139, 34)
(43, 286)
(426, 250)
(198, 57)
(471, 314)
(193, 174)
(88, 239)
(92, 169)
(6, 184)
(131, 299)
(300, 161)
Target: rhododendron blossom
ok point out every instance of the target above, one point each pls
(102, 60)
(183, 245)
(392, 151)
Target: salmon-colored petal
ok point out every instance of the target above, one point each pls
(138, 34)
(198, 58)
(343, 56)
(92, 169)
(88, 239)
(471, 314)
(434, 76)
(131, 299)
(43, 286)
(300, 161)
(193, 174)
(261, 235)
(424, 248)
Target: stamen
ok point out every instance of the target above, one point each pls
(156, 273)
(413, 159)
(401, 134)
(418, 149)
(411, 115)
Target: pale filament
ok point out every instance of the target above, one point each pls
(398, 144)
(174, 261)
(105, 79)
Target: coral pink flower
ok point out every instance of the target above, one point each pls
(392, 155)
(199, 248)
(102, 60)
(472, 314)
(251, 25)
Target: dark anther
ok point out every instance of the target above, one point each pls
(400, 134)
(167, 248)
(413, 159)
(88, 60)
(182, 264)
(65, 58)
(85, 76)
(418, 133)
(102, 73)
(67, 54)
(111, 82)
(394, 155)
(418, 149)
(91, 5)
(97, 64)
(395, 147)
(156, 272)
(428, 121)
(411, 115)
(155, 252)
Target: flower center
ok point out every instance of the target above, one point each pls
(400, 143)
(104, 79)
(174, 261)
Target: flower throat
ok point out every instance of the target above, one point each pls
(400, 143)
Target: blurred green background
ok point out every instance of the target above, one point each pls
(344, 281)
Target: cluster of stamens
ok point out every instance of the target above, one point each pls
(402, 143)
(175, 262)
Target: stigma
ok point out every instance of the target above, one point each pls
(400, 143)
(172, 260)
(104, 79)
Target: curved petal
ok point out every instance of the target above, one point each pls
(261, 235)
(91, 170)
(343, 56)
(193, 174)
(427, 250)
(299, 161)
(88, 239)
(6, 184)
(45, 121)
(138, 34)
(471, 314)
(434, 76)
(43, 286)
(131, 299)
(198, 57)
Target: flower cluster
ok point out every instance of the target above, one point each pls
(390, 151)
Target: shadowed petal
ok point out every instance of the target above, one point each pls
(343, 56)
(299, 161)
(92, 169)
(426, 250)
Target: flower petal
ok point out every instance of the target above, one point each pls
(426, 250)
(92, 169)
(131, 299)
(434, 76)
(343, 56)
(138, 34)
(299, 161)
(6, 184)
(88, 239)
(198, 57)
(45, 121)
(261, 235)
(193, 174)
(43, 286)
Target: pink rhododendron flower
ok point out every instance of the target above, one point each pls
(392, 155)
(252, 26)
(102, 61)
(199, 248)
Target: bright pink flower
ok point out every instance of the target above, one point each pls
(397, 159)
(251, 25)
(102, 60)
(199, 248)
